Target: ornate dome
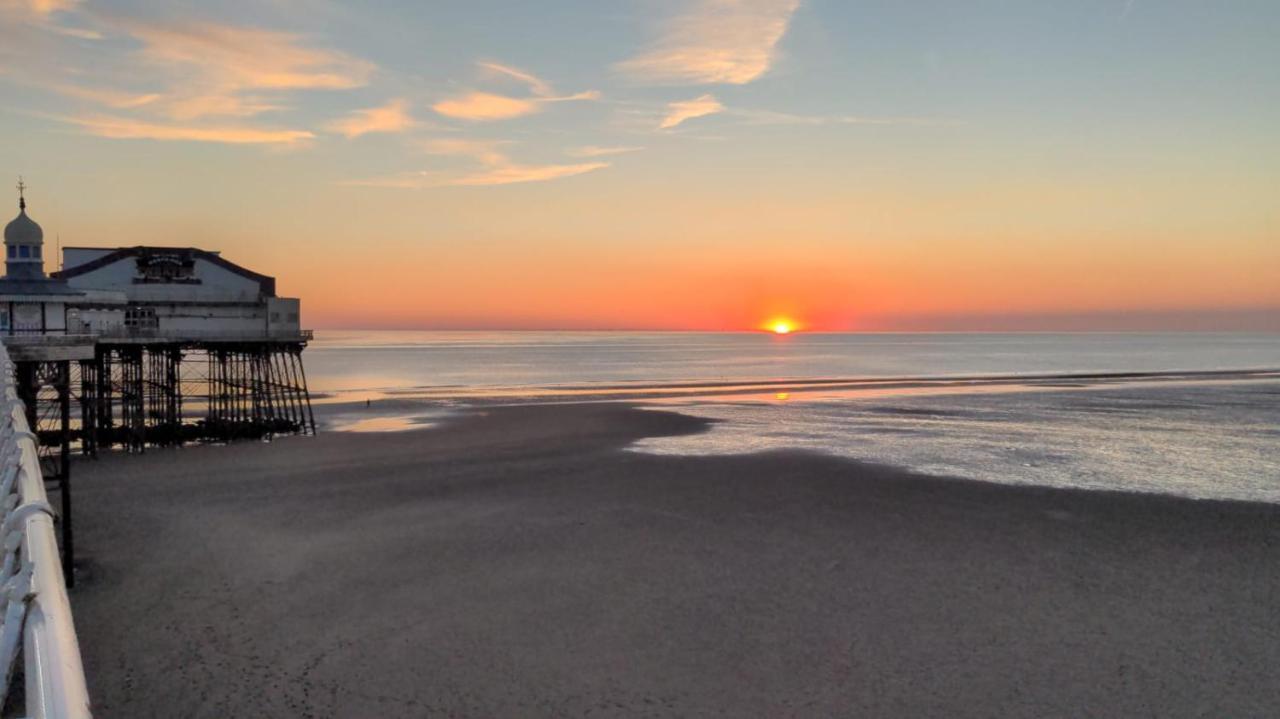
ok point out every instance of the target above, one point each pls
(23, 230)
(23, 242)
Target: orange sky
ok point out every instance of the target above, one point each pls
(699, 165)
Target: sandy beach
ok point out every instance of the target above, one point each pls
(519, 562)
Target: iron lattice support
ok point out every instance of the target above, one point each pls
(85, 387)
(167, 393)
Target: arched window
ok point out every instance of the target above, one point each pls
(24, 251)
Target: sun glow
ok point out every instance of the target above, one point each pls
(780, 326)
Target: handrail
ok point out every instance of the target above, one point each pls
(110, 333)
(236, 334)
(55, 683)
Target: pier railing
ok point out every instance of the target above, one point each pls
(148, 333)
(35, 615)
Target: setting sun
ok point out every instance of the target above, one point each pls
(781, 327)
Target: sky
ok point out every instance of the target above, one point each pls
(654, 164)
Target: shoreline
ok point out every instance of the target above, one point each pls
(854, 386)
(515, 561)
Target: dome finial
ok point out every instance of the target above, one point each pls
(22, 198)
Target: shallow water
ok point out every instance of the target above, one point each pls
(357, 365)
(1167, 414)
(1214, 440)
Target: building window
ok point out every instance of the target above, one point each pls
(24, 251)
(141, 317)
(293, 317)
(13, 251)
(35, 251)
(275, 316)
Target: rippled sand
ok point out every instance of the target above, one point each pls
(518, 562)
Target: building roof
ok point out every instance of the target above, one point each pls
(267, 285)
(23, 230)
(36, 286)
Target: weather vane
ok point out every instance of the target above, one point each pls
(22, 199)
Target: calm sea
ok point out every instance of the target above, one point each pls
(1190, 414)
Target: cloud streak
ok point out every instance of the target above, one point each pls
(114, 99)
(196, 76)
(685, 110)
(596, 151)
(45, 14)
(122, 128)
(483, 151)
(40, 8)
(501, 170)
(514, 173)
(391, 117)
(218, 70)
(485, 107)
(537, 85)
(496, 168)
(478, 106)
(769, 117)
(715, 42)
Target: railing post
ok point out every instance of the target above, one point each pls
(64, 479)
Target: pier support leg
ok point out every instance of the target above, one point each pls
(88, 387)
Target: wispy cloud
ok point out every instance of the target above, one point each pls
(391, 117)
(122, 128)
(501, 170)
(45, 14)
(487, 106)
(483, 151)
(242, 57)
(38, 8)
(536, 84)
(644, 117)
(513, 173)
(681, 111)
(114, 99)
(769, 117)
(237, 71)
(194, 76)
(715, 41)
(575, 97)
(496, 168)
(597, 151)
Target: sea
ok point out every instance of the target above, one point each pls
(1190, 414)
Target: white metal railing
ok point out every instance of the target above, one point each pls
(121, 332)
(85, 333)
(34, 611)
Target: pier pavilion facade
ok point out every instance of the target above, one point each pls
(187, 346)
(145, 345)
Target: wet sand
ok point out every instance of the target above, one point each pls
(517, 562)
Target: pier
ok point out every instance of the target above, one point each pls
(144, 346)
